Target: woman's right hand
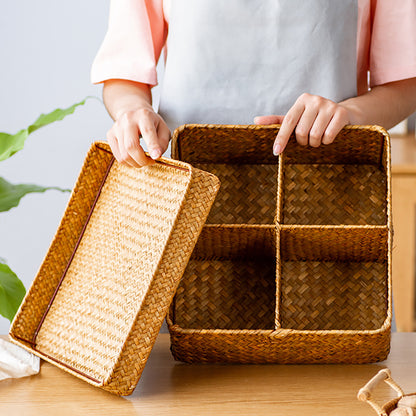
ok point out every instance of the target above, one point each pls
(129, 127)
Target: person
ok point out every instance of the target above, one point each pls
(312, 66)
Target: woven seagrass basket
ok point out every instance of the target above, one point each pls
(366, 393)
(294, 262)
(102, 292)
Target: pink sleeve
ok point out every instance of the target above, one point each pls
(131, 48)
(393, 41)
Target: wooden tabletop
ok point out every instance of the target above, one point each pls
(403, 154)
(171, 388)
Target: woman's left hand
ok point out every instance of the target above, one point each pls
(315, 120)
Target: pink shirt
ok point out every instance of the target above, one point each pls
(137, 31)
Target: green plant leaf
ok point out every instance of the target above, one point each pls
(12, 292)
(10, 195)
(12, 143)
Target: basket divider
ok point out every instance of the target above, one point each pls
(279, 198)
(387, 162)
(277, 323)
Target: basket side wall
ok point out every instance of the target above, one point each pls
(192, 215)
(282, 347)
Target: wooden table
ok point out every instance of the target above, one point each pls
(171, 388)
(404, 225)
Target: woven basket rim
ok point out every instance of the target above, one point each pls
(280, 226)
(180, 129)
(385, 327)
(103, 145)
(242, 226)
(333, 226)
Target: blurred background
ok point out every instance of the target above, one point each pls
(46, 50)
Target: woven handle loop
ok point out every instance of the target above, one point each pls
(365, 393)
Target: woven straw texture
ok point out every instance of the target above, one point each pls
(334, 243)
(334, 194)
(284, 346)
(227, 294)
(328, 282)
(332, 295)
(235, 241)
(106, 313)
(229, 282)
(86, 189)
(247, 194)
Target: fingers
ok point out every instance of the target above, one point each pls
(155, 133)
(164, 136)
(124, 137)
(120, 156)
(133, 152)
(338, 121)
(304, 125)
(265, 120)
(317, 128)
(286, 129)
(147, 128)
(315, 121)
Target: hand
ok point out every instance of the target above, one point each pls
(124, 137)
(315, 120)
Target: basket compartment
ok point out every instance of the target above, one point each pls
(247, 194)
(332, 278)
(229, 282)
(241, 157)
(334, 194)
(344, 183)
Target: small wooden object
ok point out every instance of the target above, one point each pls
(403, 404)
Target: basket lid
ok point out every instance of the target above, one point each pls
(105, 285)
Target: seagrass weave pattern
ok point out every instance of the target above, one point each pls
(86, 188)
(340, 243)
(111, 296)
(235, 242)
(224, 144)
(334, 194)
(330, 295)
(227, 294)
(330, 284)
(354, 145)
(118, 279)
(247, 194)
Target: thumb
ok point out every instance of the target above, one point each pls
(272, 119)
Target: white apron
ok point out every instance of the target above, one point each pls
(231, 60)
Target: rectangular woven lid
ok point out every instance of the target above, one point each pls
(103, 290)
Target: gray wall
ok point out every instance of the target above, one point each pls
(46, 51)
